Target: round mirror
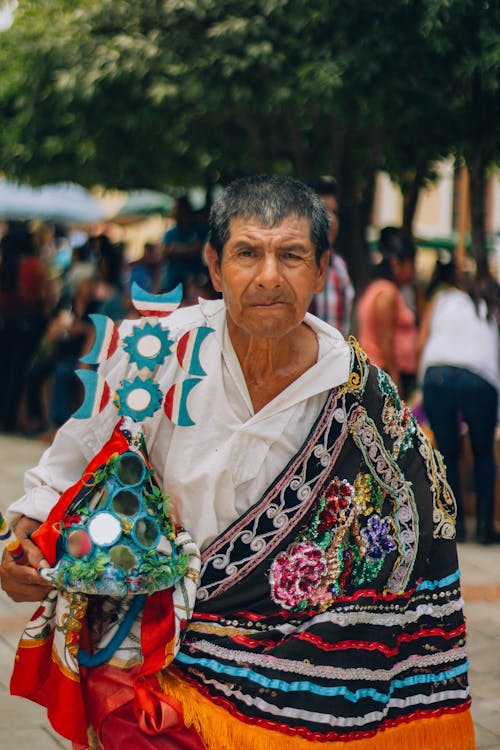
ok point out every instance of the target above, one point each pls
(98, 499)
(138, 399)
(149, 346)
(104, 529)
(123, 557)
(130, 469)
(78, 543)
(146, 532)
(126, 503)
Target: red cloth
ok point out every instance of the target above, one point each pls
(120, 731)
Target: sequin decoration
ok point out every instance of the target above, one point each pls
(399, 422)
(296, 573)
(345, 544)
(377, 537)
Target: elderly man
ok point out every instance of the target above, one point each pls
(329, 607)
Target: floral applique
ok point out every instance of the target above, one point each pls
(399, 422)
(377, 538)
(346, 542)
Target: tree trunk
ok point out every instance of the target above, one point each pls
(356, 179)
(476, 164)
(411, 194)
(477, 174)
(355, 207)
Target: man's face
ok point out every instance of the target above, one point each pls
(332, 207)
(267, 276)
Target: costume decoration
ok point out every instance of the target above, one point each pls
(112, 534)
(138, 398)
(12, 544)
(106, 340)
(335, 548)
(155, 305)
(330, 613)
(97, 394)
(148, 347)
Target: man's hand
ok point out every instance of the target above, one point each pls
(22, 582)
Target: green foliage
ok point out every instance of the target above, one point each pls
(168, 92)
(82, 571)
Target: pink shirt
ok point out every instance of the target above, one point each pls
(405, 333)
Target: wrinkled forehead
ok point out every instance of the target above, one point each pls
(292, 224)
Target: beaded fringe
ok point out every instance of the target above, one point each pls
(220, 730)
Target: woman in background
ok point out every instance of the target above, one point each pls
(459, 367)
(387, 328)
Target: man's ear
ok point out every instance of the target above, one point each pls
(213, 264)
(322, 269)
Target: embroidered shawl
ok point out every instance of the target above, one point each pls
(331, 611)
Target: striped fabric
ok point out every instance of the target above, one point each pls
(381, 653)
(334, 303)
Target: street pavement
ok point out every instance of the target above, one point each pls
(23, 724)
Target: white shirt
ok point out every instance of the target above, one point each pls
(215, 470)
(462, 336)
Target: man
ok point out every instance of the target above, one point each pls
(329, 605)
(182, 246)
(334, 303)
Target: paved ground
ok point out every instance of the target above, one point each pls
(23, 724)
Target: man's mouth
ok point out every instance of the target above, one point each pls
(268, 302)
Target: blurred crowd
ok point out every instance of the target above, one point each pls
(51, 281)
(439, 342)
(438, 339)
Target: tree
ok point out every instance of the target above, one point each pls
(169, 92)
(466, 38)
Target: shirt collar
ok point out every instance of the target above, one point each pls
(331, 369)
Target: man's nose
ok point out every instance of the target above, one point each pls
(269, 271)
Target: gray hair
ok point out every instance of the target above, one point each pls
(269, 199)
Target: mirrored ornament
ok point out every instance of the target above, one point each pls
(126, 503)
(78, 543)
(123, 557)
(104, 529)
(146, 532)
(130, 469)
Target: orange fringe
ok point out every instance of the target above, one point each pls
(220, 730)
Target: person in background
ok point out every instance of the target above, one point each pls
(459, 369)
(24, 293)
(110, 287)
(334, 303)
(387, 328)
(182, 246)
(67, 336)
(145, 270)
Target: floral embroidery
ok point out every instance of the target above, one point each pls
(358, 371)
(399, 422)
(296, 573)
(334, 551)
(377, 538)
(444, 504)
(387, 473)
